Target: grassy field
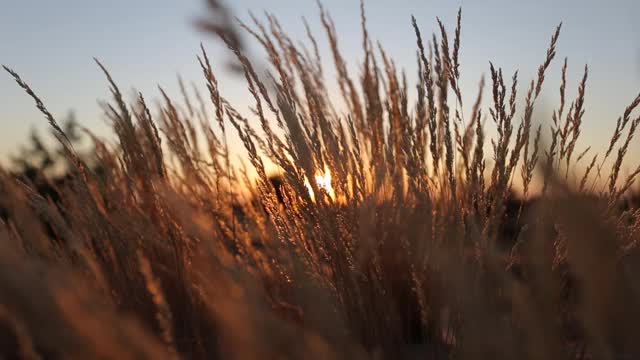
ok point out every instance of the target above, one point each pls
(392, 230)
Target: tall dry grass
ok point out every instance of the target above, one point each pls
(164, 246)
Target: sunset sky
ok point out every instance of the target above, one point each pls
(147, 43)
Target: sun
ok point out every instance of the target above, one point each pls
(323, 180)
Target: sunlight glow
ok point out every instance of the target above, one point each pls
(324, 182)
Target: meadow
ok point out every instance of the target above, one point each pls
(394, 228)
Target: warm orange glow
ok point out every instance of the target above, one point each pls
(322, 181)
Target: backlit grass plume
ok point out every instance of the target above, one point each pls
(391, 230)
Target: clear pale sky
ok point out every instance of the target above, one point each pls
(145, 43)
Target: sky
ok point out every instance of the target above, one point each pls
(147, 43)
